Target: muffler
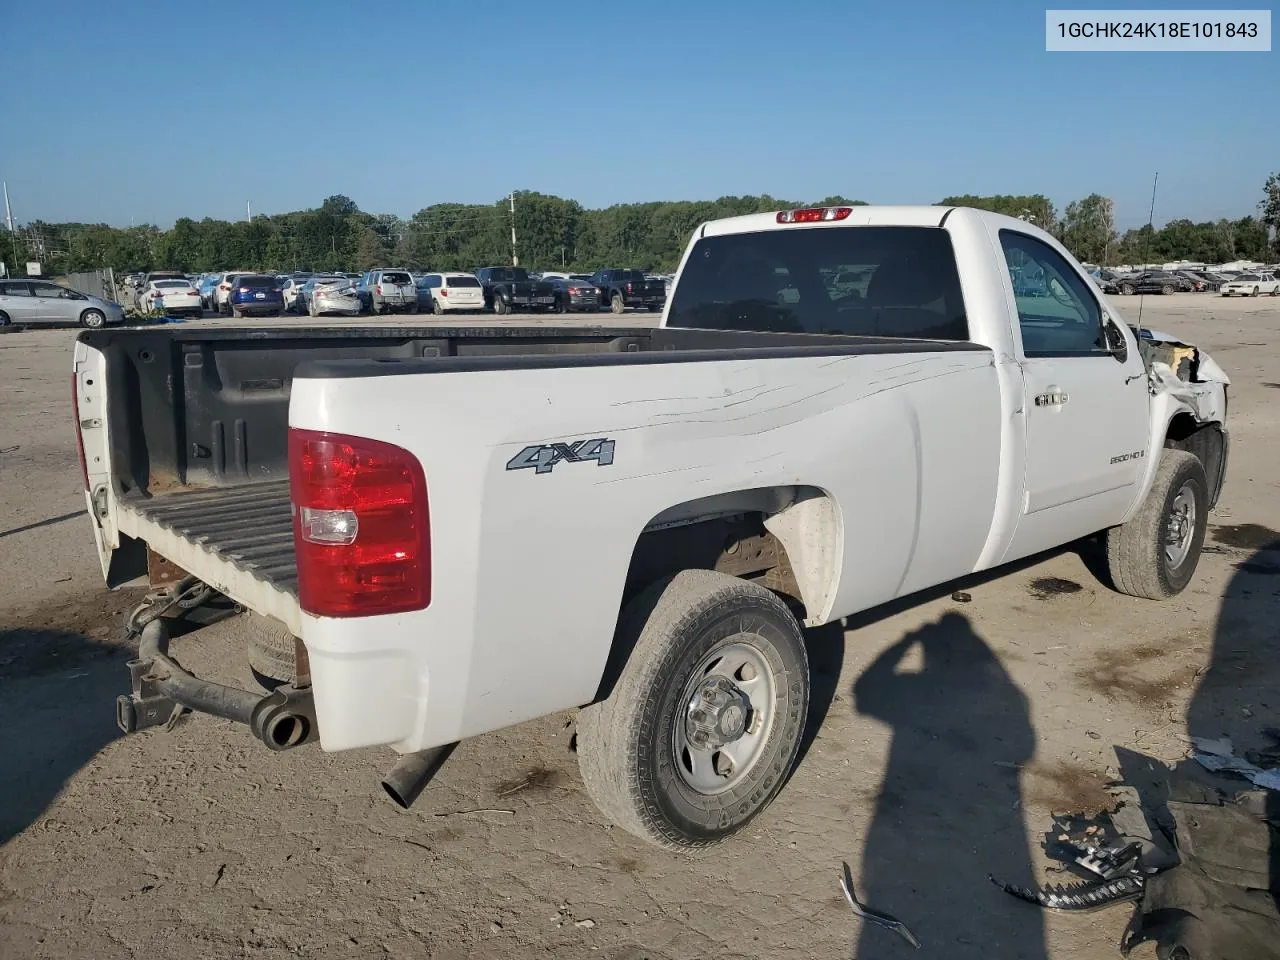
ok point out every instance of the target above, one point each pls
(412, 772)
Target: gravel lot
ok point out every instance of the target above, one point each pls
(200, 843)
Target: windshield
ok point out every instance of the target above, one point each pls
(868, 281)
(1246, 278)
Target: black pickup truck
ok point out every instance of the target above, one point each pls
(629, 288)
(507, 289)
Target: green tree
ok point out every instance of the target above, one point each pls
(371, 250)
(1088, 228)
(1033, 208)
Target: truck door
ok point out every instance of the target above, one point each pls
(1085, 406)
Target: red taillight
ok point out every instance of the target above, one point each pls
(75, 412)
(814, 214)
(360, 525)
(574, 291)
(628, 288)
(243, 290)
(224, 286)
(378, 289)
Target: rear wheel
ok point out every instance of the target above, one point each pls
(1167, 289)
(1255, 292)
(1155, 553)
(1275, 291)
(272, 652)
(311, 308)
(617, 304)
(236, 313)
(562, 305)
(436, 307)
(4, 319)
(700, 731)
(413, 308)
(500, 305)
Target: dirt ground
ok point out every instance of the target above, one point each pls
(946, 733)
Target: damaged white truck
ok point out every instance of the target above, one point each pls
(461, 529)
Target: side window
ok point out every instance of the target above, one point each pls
(1057, 313)
(15, 290)
(48, 291)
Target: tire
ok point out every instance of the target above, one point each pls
(629, 744)
(413, 308)
(1127, 289)
(311, 308)
(436, 308)
(93, 319)
(1167, 289)
(1138, 552)
(4, 319)
(1275, 291)
(500, 305)
(237, 314)
(272, 655)
(1255, 292)
(561, 305)
(617, 304)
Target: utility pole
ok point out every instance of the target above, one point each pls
(515, 261)
(249, 211)
(8, 221)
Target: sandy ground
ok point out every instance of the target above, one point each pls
(925, 774)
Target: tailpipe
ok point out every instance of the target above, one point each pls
(412, 772)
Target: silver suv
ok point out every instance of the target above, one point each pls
(43, 301)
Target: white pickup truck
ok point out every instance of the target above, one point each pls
(467, 528)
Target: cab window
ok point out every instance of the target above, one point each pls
(1057, 314)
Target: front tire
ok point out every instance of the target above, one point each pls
(1154, 555)
(436, 308)
(1167, 290)
(1127, 289)
(1255, 292)
(703, 725)
(93, 319)
(4, 319)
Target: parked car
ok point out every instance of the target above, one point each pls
(572, 296)
(289, 291)
(450, 292)
(177, 297)
(206, 289)
(621, 289)
(1251, 285)
(387, 291)
(333, 295)
(222, 292)
(42, 301)
(256, 295)
(404, 488)
(510, 288)
(301, 304)
(1152, 281)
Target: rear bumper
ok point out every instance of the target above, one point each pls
(259, 306)
(645, 300)
(448, 305)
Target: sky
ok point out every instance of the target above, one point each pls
(137, 112)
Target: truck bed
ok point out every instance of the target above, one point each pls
(198, 421)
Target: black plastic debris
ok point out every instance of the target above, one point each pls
(872, 916)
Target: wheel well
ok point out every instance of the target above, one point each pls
(743, 534)
(1206, 441)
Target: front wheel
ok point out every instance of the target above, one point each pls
(436, 308)
(704, 722)
(1167, 289)
(1127, 289)
(1255, 292)
(4, 319)
(92, 319)
(1155, 553)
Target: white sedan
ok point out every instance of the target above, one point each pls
(1251, 285)
(176, 297)
(290, 292)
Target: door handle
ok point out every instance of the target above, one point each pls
(1052, 398)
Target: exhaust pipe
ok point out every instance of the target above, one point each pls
(412, 772)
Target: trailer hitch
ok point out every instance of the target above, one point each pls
(162, 689)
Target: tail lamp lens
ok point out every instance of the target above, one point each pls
(361, 528)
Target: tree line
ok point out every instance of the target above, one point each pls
(555, 233)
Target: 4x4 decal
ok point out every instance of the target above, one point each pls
(543, 457)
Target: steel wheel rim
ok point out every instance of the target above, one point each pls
(702, 768)
(1180, 527)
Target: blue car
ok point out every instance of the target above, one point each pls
(256, 295)
(207, 286)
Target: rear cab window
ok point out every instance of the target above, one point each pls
(258, 283)
(395, 276)
(877, 281)
(461, 282)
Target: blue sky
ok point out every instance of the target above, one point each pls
(120, 112)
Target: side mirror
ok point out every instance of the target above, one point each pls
(1117, 345)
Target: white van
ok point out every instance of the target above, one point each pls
(449, 292)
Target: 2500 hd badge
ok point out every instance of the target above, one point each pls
(1136, 455)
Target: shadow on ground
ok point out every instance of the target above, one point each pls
(949, 810)
(58, 685)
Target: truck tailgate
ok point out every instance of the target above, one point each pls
(237, 539)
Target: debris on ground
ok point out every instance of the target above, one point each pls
(866, 913)
(1218, 756)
